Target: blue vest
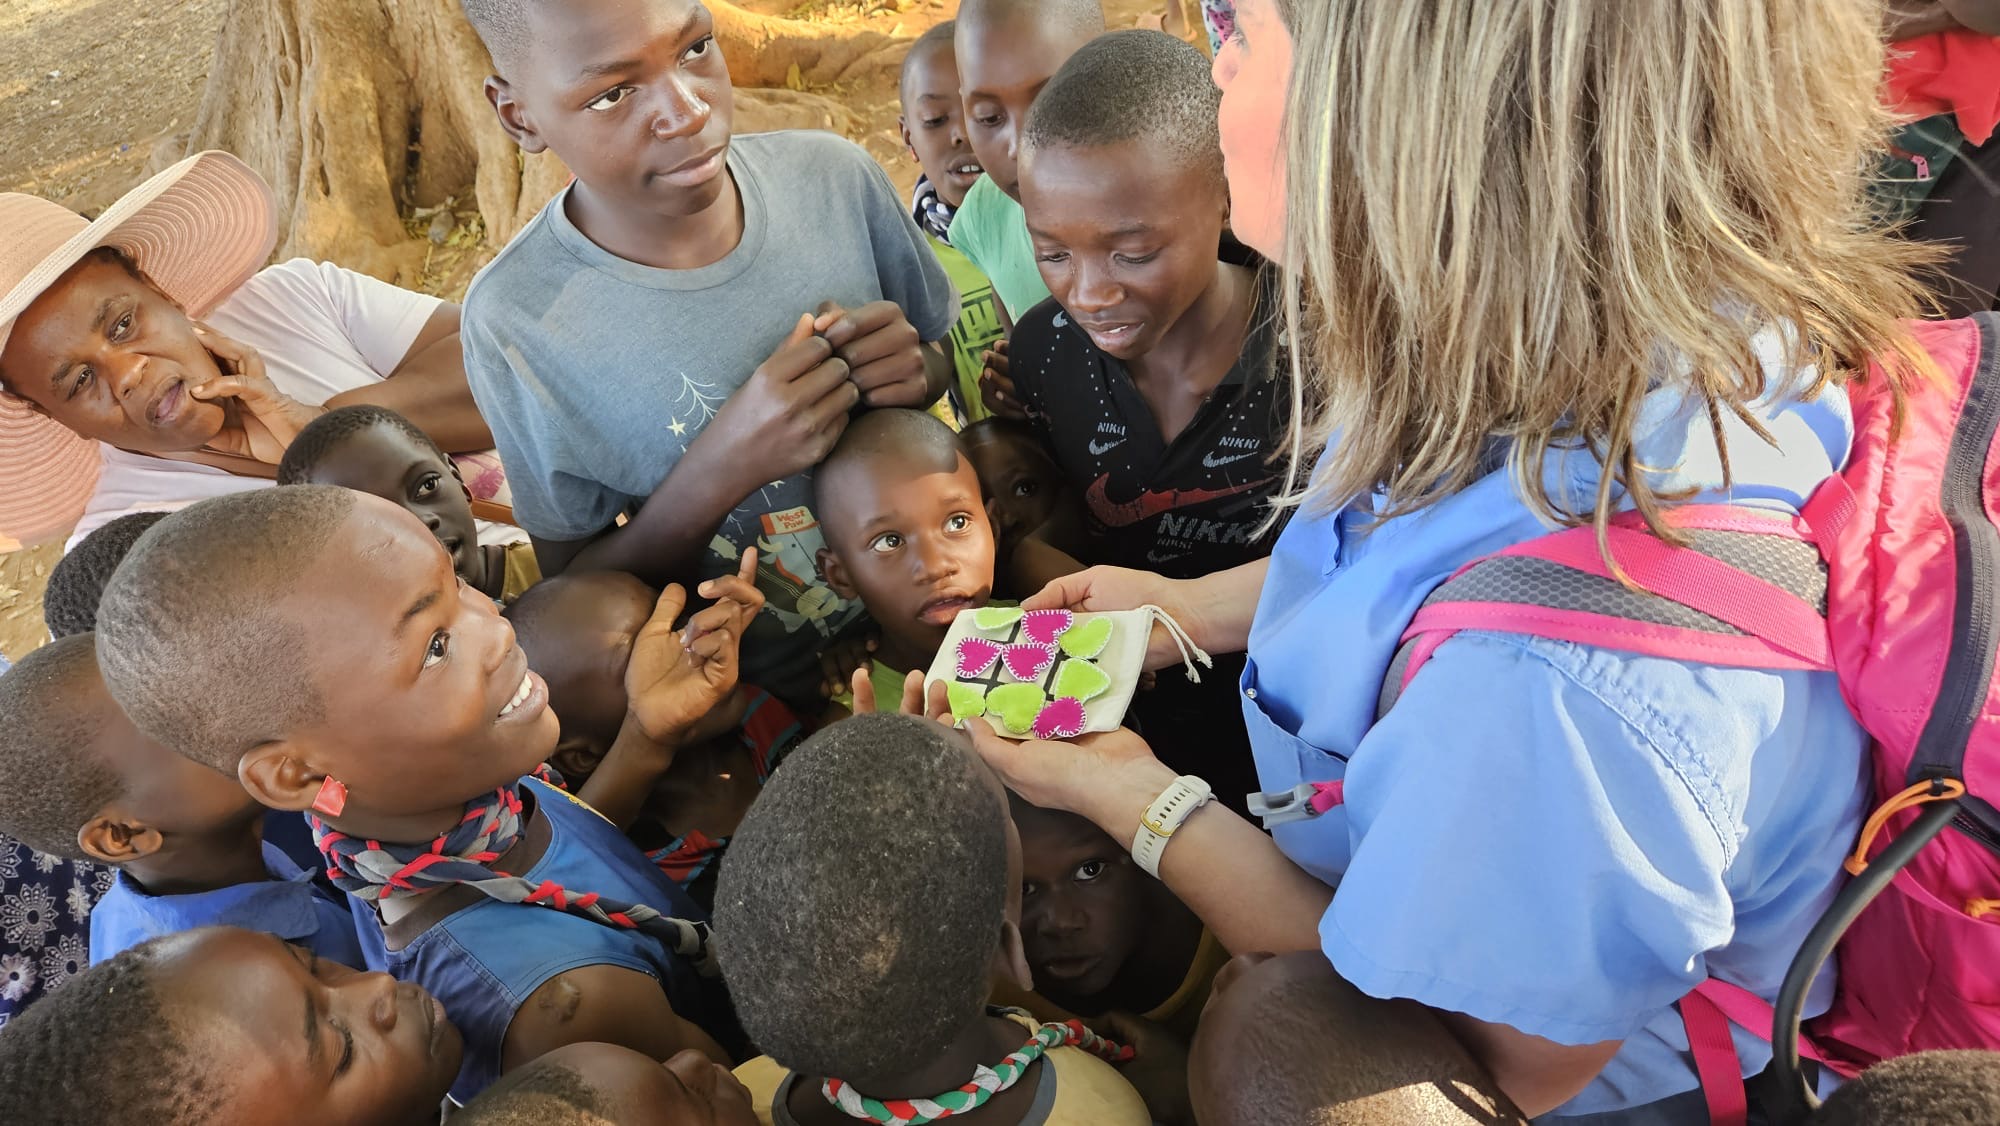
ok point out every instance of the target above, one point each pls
(484, 960)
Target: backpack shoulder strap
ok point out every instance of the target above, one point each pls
(1748, 592)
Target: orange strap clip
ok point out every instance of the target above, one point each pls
(1941, 789)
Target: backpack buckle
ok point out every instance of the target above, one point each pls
(1302, 802)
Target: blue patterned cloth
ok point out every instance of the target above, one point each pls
(45, 907)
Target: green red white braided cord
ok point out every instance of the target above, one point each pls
(986, 1081)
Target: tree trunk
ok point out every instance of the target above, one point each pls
(359, 112)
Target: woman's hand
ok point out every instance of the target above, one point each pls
(1098, 776)
(265, 419)
(1118, 588)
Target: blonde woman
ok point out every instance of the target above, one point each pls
(1554, 259)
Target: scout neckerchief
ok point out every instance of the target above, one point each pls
(986, 1081)
(378, 870)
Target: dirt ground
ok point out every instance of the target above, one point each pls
(94, 88)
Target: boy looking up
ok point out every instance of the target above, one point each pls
(869, 898)
(680, 335)
(1152, 375)
(933, 125)
(906, 534)
(1006, 52)
(1101, 935)
(379, 452)
(78, 780)
(315, 643)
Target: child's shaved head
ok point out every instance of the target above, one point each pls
(1926, 1089)
(864, 897)
(1284, 1039)
(1130, 86)
(76, 585)
(52, 709)
(893, 436)
(192, 640)
(1082, 16)
(503, 26)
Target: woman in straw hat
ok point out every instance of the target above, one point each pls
(1549, 261)
(147, 360)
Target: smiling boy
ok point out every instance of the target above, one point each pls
(315, 643)
(680, 335)
(1007, 50)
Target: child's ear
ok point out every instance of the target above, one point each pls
(575, 759)
(909, 142)
(1010, 961)
(116, 840)
(512, 118)
(835, 573)
(459, 477)
(277, 777)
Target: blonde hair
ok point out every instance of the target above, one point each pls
(1506, 220)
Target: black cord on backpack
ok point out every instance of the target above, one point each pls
(1795, 1098)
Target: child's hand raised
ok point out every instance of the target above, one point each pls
(884, 354)
(996, 385)
(676, 677)
(937, 706)
(265, 419)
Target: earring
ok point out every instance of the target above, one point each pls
(332, 797)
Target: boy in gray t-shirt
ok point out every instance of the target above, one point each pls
(681, 334)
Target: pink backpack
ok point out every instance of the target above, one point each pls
(1890, 577)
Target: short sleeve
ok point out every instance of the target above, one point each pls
(910, 272)
(1557, 867)
(553, 498)
(382, 320)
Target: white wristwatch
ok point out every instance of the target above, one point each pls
(1165, 815)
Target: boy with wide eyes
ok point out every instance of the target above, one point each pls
(682, 333)
(907, 536)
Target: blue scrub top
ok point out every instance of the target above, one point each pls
(1550, 836)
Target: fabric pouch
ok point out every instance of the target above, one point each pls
(1050, 674)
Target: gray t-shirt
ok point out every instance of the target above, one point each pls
(596, 372)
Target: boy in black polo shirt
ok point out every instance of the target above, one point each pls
(1152, 373)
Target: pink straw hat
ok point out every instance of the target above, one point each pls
(197, 230)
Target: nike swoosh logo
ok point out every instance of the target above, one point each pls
(1099, 449)
(1158, 557)
(1124, 514)
(1213, 462)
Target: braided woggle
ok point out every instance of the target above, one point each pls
(491, 825)
(986, 1081)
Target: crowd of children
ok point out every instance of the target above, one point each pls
(374, 818)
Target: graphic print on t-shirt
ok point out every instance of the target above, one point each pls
(795, 595)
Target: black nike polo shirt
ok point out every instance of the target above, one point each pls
(1183, 508)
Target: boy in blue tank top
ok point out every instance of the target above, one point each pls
(371, 686)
